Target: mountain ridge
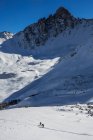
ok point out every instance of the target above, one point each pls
(38, 33)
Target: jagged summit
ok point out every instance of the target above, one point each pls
(38, 33)
(62, 11)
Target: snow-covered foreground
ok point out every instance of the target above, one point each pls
(61, 123)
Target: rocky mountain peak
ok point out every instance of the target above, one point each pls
(38, 33)
(62, 11)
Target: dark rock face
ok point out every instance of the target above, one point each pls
(62, 11)
(38, 33)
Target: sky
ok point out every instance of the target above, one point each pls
(15, 15)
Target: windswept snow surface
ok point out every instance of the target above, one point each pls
(61, 123)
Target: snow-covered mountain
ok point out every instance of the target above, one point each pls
(5, 36)
(49, 62)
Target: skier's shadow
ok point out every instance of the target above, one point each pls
(82, 134)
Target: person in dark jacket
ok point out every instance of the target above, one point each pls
(41, 125)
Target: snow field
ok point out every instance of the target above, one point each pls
(22, 124)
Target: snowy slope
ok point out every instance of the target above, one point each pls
(5, 36)
(17, 71)
(69, 74)
(67, 123)
(57, 72)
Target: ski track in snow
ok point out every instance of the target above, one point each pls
(52, 129)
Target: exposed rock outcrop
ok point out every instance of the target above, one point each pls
(38, 33)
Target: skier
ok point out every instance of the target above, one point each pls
(41, 125)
